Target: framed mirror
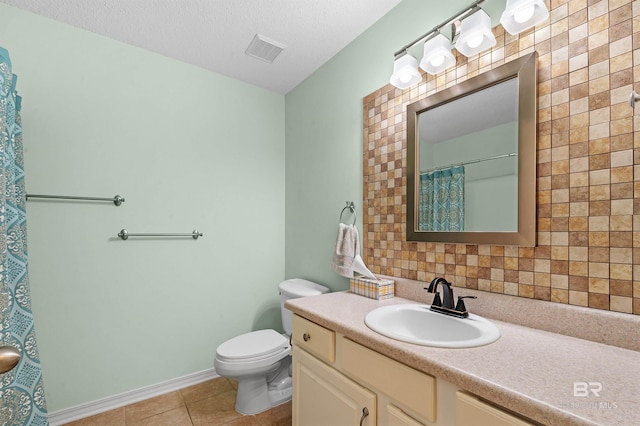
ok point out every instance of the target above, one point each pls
(471, 160)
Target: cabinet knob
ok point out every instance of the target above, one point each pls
(306, 337)
(365, 413)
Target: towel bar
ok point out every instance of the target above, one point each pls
(117, 200)
(124, 234)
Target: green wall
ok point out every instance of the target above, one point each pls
(188, 149)
(324, 139)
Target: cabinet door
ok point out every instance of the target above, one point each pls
(470, 411)
(322, 396)
(410, 390)
(396, 417)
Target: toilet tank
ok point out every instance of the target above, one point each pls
(292, 289)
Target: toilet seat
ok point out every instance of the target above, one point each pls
(250, 353)
(253, 346)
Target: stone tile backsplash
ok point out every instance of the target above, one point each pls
(588, 196)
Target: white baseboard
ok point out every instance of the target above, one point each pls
(116, 401)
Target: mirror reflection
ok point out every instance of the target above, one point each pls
(469, 162)
(471, 159)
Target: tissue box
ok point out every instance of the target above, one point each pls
(381, 289)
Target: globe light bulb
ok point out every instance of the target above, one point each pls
(405, 77)
(475, 41)
(437, 60)
(523, 15)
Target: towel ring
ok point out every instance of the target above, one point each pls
(352, 208)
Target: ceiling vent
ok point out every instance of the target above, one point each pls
(265, 49)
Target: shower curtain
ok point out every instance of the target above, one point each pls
(22, 399)
(441, 205)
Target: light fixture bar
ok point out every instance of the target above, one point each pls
(435, 30)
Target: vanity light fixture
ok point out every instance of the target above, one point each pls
(520, 15)
(405, 71)
(437, 55)
(475, 34)
(470, 33)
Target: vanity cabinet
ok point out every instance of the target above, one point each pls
(323, 396)
(397, 385)
(471, 411)
(337, 381)
(396, 417)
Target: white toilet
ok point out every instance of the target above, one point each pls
(261, 360)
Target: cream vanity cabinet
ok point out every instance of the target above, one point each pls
(339, 382)
(323, 396)
(470, 410)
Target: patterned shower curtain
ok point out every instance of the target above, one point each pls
(21, 391)
(442, 200)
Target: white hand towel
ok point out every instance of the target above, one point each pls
(346, 259)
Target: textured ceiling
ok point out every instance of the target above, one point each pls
(214, 34)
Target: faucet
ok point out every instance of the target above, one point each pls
(447, 295)
(445, 305)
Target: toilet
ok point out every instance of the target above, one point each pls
(261, 360)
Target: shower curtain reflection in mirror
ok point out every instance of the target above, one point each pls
(442, 200)
(22, 400)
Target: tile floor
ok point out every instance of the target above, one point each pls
(210, 403)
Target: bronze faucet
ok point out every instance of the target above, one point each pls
(445, 305)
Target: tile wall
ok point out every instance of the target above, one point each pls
(588, 196)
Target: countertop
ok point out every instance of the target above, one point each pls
(528, 370)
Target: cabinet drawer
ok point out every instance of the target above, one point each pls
(314, 338)
(410, 389)
(470, 411)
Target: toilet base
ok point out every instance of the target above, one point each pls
(262, 392)
(278, 397)
(254, 396)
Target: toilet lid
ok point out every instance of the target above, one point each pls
(252, 345)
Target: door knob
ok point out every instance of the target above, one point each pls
(633, 98)
(9, 358)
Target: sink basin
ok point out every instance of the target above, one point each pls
(415, 323)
